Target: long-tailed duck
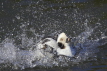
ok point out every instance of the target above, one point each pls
(59, 47)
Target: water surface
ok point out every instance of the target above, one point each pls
(24, 22)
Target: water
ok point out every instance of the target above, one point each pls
(24, 22)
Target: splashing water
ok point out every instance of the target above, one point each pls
(26, 55)
(24, 23)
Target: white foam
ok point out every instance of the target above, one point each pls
(7, 52)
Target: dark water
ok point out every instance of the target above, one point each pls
(24, 22)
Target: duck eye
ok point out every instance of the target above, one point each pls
(61, 39)
(61, 45)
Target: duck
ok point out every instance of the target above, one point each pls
(59, 47)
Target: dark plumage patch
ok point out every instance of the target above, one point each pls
(53, 37)
(49, 49)
(45, 40)
(61, 45)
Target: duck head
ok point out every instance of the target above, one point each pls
(64, 45)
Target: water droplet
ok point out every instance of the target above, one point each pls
(18, 17)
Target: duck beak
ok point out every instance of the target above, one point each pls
(68, 40)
